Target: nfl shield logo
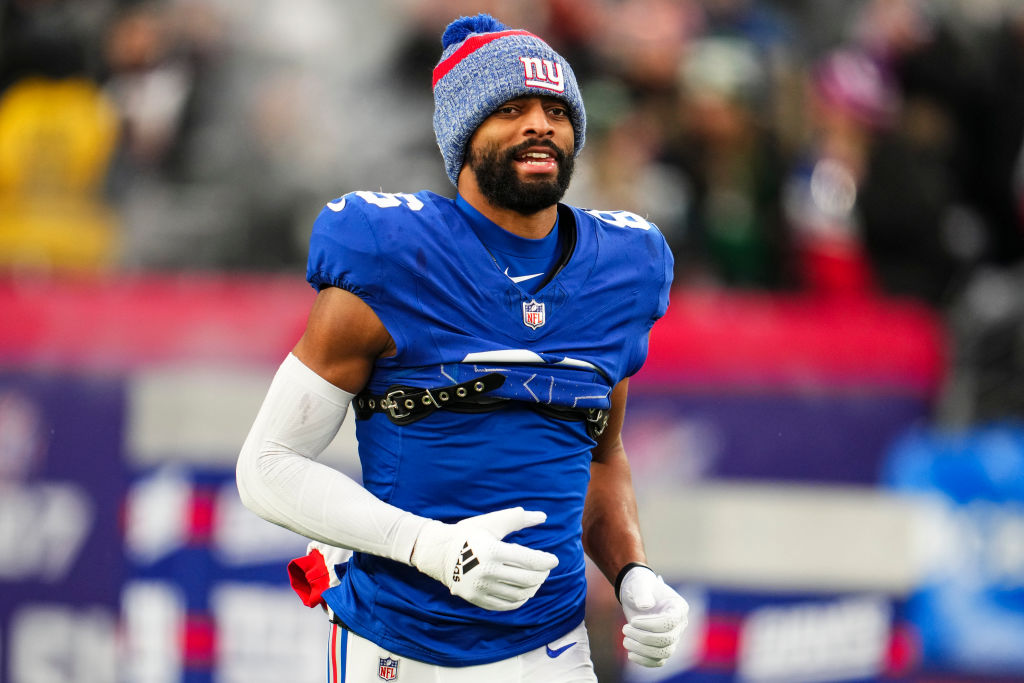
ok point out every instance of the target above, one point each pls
(388, 670)
(533, 314)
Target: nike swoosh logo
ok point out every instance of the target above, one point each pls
(521, 278)
(555, 653)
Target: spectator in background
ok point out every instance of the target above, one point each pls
(986, 314)
(852, 99)
(961, 75)
(928, 158)
(151, 82)
(1003, 150)
(31, 29)
(728, 150)
(57, 136)
(753, 20)
(644, 42)
(160, 70)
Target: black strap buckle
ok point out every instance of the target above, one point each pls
(597, 421)
(404, 404)
(391, 404)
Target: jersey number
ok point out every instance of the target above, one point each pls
(386, 200)
(621, 219)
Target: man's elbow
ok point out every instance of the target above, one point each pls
(245, 471)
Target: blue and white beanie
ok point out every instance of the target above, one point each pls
(484, 65)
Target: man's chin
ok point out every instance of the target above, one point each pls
(535, 178)
(536, 182)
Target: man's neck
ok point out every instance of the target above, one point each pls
(533, 226)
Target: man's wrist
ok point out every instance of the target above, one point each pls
(622, 575)
(407, 532)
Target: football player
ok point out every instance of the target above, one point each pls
(484, 344)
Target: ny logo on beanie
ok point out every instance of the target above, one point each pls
(543, 73)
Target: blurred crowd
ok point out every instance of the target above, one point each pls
(836, 147)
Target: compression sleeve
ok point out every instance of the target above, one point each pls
(280, 480)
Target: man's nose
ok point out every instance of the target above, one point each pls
(536, 122)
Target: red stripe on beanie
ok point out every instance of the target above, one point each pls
(470, 45)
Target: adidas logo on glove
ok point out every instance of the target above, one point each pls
(467, 560)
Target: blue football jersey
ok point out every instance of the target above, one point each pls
(455, 315)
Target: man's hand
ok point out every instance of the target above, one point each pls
(475, 564)
(655, 615)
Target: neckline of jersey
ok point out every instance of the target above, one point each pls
(496, 238)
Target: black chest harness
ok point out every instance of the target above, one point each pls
(404, 405)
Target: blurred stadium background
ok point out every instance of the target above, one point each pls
(827, 438)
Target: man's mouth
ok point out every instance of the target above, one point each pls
(537, 159)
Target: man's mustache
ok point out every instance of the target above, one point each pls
(535, 142)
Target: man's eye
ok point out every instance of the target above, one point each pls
(558, 111)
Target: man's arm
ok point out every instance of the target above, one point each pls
(342, 340)
(611, 527)
(278, 475)
(655, 614)
(280, 479)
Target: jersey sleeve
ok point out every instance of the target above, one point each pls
(667, 266)
(662, 268)
(344, 251)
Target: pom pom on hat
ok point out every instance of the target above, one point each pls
(485, 64)
(461, 28)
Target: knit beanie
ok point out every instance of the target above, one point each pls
(484, 65)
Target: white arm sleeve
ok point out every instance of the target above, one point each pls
(280, 480)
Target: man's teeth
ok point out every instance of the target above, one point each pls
(539, 156)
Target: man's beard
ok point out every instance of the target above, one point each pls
(501, 185)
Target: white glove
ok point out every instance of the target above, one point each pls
(471, 559)
(655, 616)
